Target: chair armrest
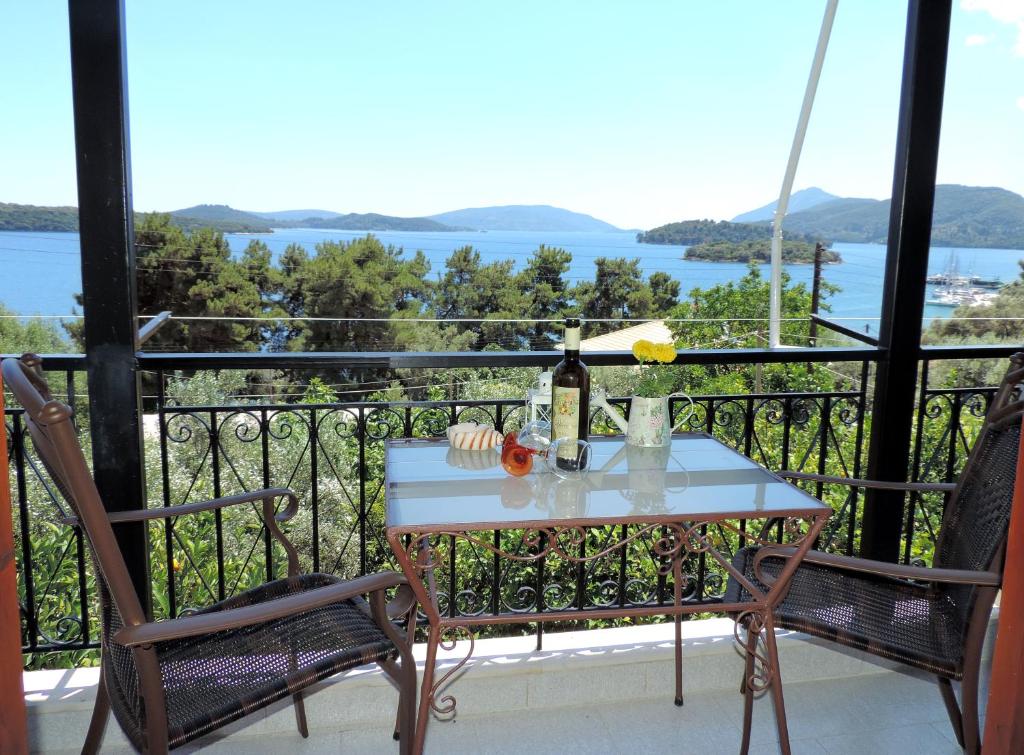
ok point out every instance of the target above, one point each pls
(233, 618)
(164, 512)
(921, 487)
(403, 603)
(270, 518)
(881, 568)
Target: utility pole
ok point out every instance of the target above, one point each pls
(816, 292)
(815, 300)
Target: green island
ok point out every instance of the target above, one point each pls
(757, 251)
(28, 217)
(690, 232)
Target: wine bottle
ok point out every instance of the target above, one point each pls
(570, 397)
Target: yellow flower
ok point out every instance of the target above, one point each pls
(176, 565)
(666, 352)
(643, 351)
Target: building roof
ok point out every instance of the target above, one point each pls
(623, 340)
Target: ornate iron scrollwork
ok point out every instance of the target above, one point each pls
(446, 704)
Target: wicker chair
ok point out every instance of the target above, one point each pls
(170, 682)
(933, 619)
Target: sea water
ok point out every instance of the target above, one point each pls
(41, 270)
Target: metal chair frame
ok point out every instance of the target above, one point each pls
(50, 424)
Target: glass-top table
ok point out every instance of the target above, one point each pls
(430, 484)
(449, 510)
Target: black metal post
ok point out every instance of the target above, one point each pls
(815, 294)
(906, 267)
(100, 99)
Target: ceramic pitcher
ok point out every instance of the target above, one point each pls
(649, 418)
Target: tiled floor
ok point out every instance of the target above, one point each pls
(877, 714)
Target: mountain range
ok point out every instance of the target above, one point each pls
(218, 215)
(14, 217)
(804, 199)
(964, 216)
(521, 217)
(503, 218)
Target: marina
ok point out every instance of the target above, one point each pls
(958, 289)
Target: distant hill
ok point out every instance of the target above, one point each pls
(801, 200)
(24, 217)
(221, 217)
(371, 221)
(30, 217)
(519, 217)
(861, 220)
(965, 216)
(230, 220)
(690, 232)
(294, 215)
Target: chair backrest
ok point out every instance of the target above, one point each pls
(53, 434)
(977, 517)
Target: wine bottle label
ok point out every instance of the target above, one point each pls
(572, 339)
(565, 418)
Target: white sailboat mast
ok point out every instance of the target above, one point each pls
(775, 298)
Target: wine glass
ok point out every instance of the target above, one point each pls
(567, 458)
(536, 434)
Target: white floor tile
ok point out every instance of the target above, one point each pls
(878, 714)
(900, 740)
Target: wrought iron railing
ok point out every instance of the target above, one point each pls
(332, 455)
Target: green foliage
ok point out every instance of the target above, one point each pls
(618, 291)
(664, 292)
(37, 336)
(195, 275)
(475, 291)
(746, 304)
(318, 392)
(690, 232)
(366, 279)
(205, 388)
(187, 557)
(546, 293)
(362, 279)
(757, 251)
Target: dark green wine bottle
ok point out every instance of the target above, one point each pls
(570, 398)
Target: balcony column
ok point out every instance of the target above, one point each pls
(100, 100)
(906, 267)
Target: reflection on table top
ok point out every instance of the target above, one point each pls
(433, 486)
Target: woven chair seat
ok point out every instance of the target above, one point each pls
(916, 624)
(213, 679)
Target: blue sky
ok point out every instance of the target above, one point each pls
(637, 113)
